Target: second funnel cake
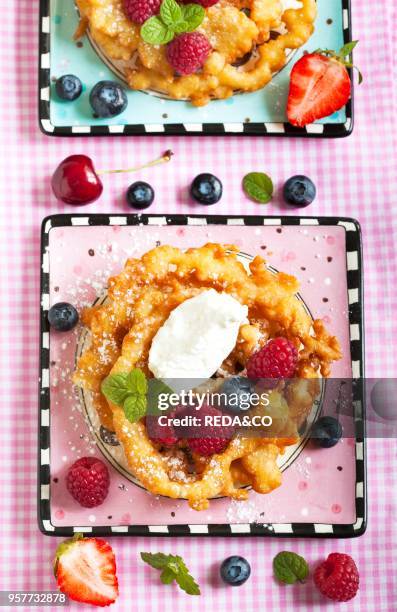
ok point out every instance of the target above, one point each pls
(125, 328)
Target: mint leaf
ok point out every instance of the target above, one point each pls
(135, 407)
(187, 584)
(155, 32)
(170, 13)
(180, 27)
(156, 560)
(258, 186)
(184, 579)
(155, 388)
(167, 576)
(193, 15)
(289, 567)
(136, 382)
(114, 388)
(173, 568)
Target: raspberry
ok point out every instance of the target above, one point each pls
(207, 446)
(277, 359)
(204, 3)
(88, 481)
(213, 438)
(162, 434)
(187, 53)
(337, 577)
(140, 10)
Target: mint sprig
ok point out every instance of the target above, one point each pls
(134, 393)
(289, 567)
(173, 568)
(129, 391)
(258, 186)
(173, 19)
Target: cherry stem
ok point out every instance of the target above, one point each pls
(166, 157)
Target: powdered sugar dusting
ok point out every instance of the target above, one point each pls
(242, 512)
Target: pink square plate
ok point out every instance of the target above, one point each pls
(323, 491)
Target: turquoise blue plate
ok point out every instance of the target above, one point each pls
(258, 113)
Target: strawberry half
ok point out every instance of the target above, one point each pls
(85, 569)
(319, 85)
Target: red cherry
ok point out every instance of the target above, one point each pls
(76, 182)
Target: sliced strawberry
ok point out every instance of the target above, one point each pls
(85, 569)
(320, 85)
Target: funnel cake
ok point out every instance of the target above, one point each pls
(250, 41)
(140, 300)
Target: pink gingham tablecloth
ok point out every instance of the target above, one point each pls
(355, 177)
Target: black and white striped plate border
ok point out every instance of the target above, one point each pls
(330, 130)
(355, 299)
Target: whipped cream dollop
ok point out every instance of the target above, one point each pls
(197, 336)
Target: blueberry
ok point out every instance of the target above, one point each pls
(140, 195)
(237, 389)
(108, 99)
(326, 432)
(235, 570)
(68, 87)
(63, 316)
(206, 189)
(299, 190)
